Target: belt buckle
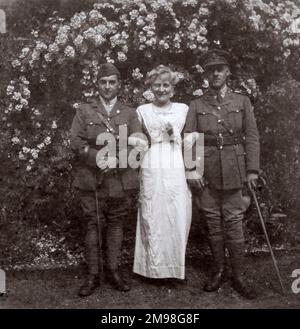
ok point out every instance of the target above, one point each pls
(220, 141)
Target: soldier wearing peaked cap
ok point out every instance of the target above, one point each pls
(102, 191)
(231, 161)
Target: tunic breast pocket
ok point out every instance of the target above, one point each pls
(121, 126)
(93, 129)
(206, 121)
(235, 118)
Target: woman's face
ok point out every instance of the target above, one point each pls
(162, 89)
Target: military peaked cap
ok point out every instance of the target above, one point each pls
(215, 57)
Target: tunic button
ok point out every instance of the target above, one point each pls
(108, 119)
(219, 107)
(91, 123)
(107, 130)
(219, 121)
(118, 111)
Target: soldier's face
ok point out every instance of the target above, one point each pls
(109, 87)
(162, 89)
(217, 75)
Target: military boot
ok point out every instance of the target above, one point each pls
(239, 283)
(116, 280)
(89, 285)
(218, 277)
(113, 253)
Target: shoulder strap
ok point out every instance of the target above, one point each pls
(107, 125)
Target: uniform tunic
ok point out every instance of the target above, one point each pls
(112, 186)
(225, 167)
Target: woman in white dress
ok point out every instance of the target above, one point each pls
(165, 209)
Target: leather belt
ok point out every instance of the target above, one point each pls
(219, 141)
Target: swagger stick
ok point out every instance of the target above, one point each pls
(267, 238)
(100, 258)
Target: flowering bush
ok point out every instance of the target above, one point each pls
(57, 68)
(64, 56)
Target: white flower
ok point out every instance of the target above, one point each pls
(88, 94)
(295, 26)
(134, 14)
(287, 53)
(179, 76)
(34, 153)
(94, 15)
(78, 40)
(35, 55)
(53, 48)
(121, 56)
(28, 168)
(89, 33)
(136, 74)
(24, 52)
(40, 146)
(17, 95)
(10, 89)
(18, 107)
(15, 140)
(61, 39)
(24, 102)
(21, 156)
(140, 22)
(205, 83)
(54, 125)
(77, 20)
(24, 80)
(25, 149)
(38, 125)
(36, 111)
(69, 51)
(16, 63)
(148, 95)
(75, 105)
(110, 60)
(198, 92)
(203, 11)
(35, 33)
(199, 68)
(98, 39)
(26, 92)
(47, 58)
(40, 45)
(47, 140)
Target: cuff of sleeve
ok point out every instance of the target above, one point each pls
(254, 171)
(91, 157)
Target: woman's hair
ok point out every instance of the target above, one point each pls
(159, 70)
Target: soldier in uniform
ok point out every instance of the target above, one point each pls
(102, 189)
(231, 161)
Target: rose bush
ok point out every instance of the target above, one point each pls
(56, 68)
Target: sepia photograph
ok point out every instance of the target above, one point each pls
(150, 156)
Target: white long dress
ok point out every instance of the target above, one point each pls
(165, 209)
